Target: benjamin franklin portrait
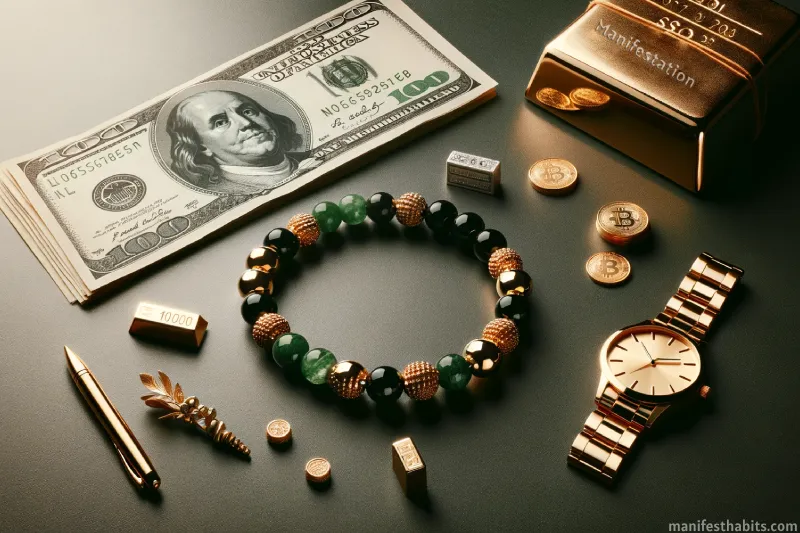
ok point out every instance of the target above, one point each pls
(226, 142)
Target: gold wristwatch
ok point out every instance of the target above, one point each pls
(650, 367)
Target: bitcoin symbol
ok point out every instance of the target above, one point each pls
(610, 268)
(553, 174)
(622, 218)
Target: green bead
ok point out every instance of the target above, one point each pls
(288, 348)
(328, 216)
(454, 372)
(316, 364)
(353, 208)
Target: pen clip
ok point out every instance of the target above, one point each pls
(138, 480)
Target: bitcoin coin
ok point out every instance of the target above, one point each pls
(555, 99)
(608, 268)
(622, 222)
(318, 470)
(279, 431)
(586, 98)
(553, 176)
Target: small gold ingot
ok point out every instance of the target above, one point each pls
(263, 258)
(348, 379)
(503, 260)
(409, 467)
(318, 470)
(255, 280)
(305, 227)
(410, 209)
(189, 410)
(279, 431)
(503, 333)
(421, 380)
(269, 327)
(172, 326)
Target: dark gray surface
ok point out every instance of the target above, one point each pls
(498, 463)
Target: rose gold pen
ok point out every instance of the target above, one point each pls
(134, 459)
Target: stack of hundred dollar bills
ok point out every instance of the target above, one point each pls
(101, 206)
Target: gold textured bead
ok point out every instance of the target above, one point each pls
(348, 379)
(269, 327)
(503, 333)
(305, 227)
(503, 260)
(421, 380)
(410, 209)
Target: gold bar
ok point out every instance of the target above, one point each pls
(687, 79)
(172, 326)
(409, 467)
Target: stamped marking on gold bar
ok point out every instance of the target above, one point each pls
(408, 466)
(169, 325)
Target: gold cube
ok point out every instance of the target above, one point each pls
(409, 467)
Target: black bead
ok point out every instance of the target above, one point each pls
(514, 282)
(467, 226)
(284, 241)
(483, 356)
(441, 215)
(255, 304)
(487, 242)
(386, 384)
(512, 307)
(380, 207)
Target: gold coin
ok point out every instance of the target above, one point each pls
(318, 470)
(586, 98)
(622, 222)
(553, 176)
(279, 431)
(555, 99)
(608, 268)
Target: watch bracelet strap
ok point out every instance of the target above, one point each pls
(608, 435)
(611, 431)
(700, 297)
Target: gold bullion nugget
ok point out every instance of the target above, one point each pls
(279, 431)
(586, 98)
(555, 99)
(409, 467)
(156, 322)
(553, 176)
(622, 222)
(608, 268)
(318, 470)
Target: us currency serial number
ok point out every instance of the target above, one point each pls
(362, 95)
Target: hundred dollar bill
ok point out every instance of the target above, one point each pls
(100, 206)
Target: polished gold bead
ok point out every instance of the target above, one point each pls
(410, 209)
(305, 227)
(514, 282)
(263, 258)
(255, 280)
(348, 379)
(421, 380)
(503, 260)
(269, 327)
(503, 333)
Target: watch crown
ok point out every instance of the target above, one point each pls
(705, 390)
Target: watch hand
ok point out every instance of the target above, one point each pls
(667, 359)
(657, 362)
(647, 352)
(641, 367)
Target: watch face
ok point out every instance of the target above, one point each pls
(650, 362)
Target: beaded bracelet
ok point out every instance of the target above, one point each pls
(420, 380)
